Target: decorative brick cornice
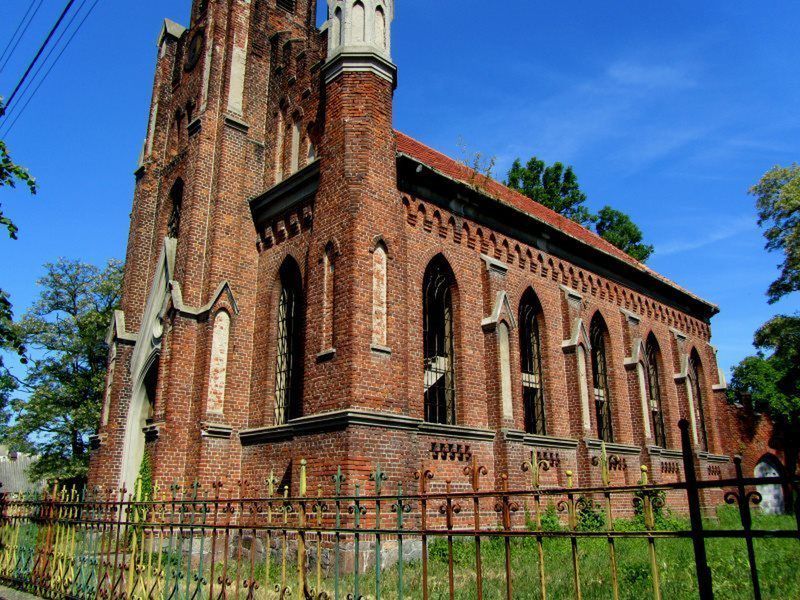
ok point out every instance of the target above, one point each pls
(613, 447)
(540, 441)
(664, 452)
(359, 62)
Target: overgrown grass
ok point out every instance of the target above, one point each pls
(778, 564)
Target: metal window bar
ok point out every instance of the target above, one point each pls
(285, 354)
(654, 393)
(532, 381)
(602, 394)
(197, 542)
(439, 354)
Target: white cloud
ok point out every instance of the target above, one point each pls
(723, 231)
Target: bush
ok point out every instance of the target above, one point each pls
(591, 517)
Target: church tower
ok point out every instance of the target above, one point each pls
(266, 183)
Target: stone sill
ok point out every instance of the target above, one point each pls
(381, 350)
(326, 355)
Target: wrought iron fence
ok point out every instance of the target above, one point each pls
(456, 540)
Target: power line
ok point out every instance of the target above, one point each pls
(38, 54)
(43, 62)
(20, 26)
(50, 68)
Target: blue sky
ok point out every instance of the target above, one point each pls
(668, 111)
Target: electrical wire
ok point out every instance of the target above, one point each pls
(52, 65)
(22, 35)
(50, 51)
(38, 54)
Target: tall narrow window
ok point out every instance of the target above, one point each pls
(176, 201)
(288, 358)
(218, 368)
(696, 400)
(602, 392)
(531, 357)
(279, 149)
(327, 298)
(440, 391)
(295, 162)
(654, 393)
(379, 328)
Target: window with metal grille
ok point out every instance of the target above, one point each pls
(286, 5)
(287, 356)
(531, 357)
(696, 386)
(439, 355)
(654, 393)
(602, 395)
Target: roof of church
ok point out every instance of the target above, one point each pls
(496, 190)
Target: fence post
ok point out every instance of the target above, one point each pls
(704, 584)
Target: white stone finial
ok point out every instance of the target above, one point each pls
(362, 26)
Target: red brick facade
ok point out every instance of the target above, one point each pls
(290, 169)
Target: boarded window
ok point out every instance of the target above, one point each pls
(379, 325)
(218, 367)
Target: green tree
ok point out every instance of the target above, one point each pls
(616, 227)
(553, 186)
(65, 380)
(557, 188)
(778, 203)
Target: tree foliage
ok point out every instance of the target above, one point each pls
(11, 174)
(10, 340)
(65, 380)
(554, 186)
(557, 188)
(778, 203)
(770, 381)
(617, 228)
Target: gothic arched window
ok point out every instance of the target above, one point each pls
(439, 346)
(531, 358)
(654, 393)
(288, 355)
(602, 390)
(696, 399)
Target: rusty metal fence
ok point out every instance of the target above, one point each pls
(455, 540)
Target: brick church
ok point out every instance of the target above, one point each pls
(304, 281)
